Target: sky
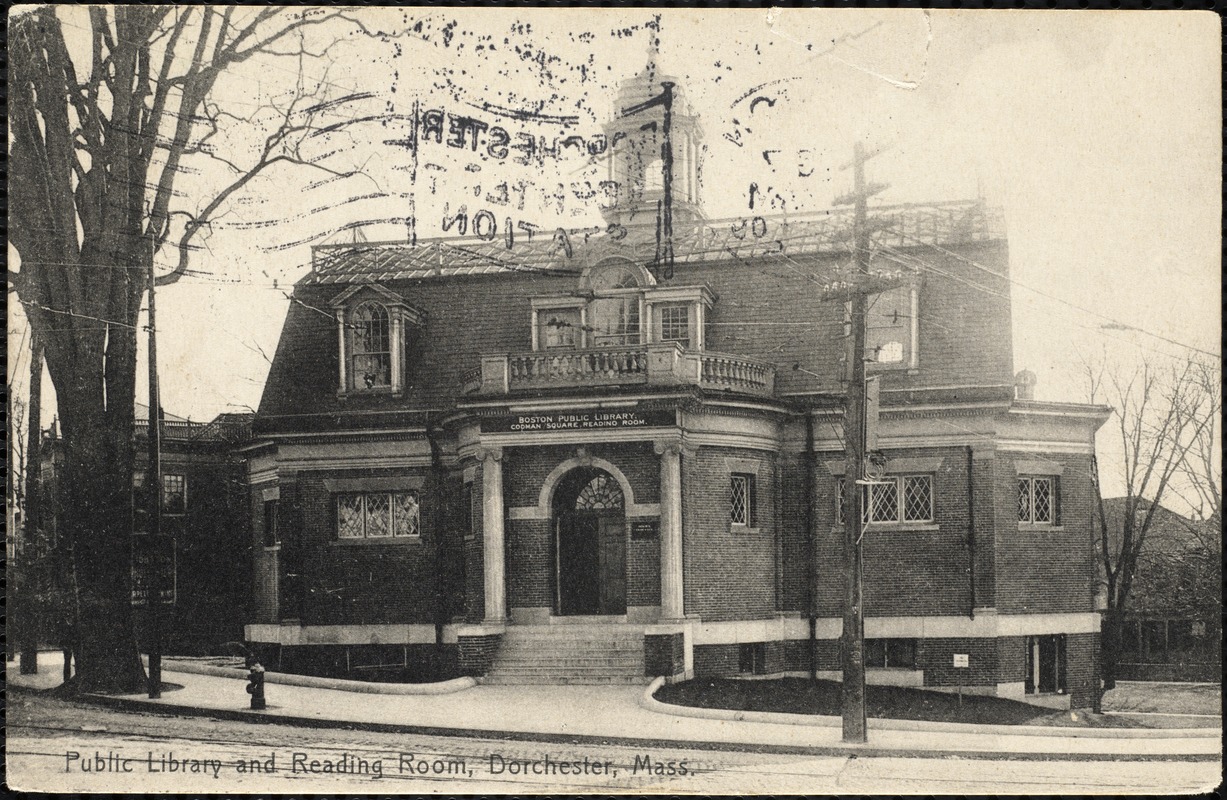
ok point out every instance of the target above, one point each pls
(1097, 133)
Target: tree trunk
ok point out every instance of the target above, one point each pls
(31, 588)
(1109, 645)
(97, 520)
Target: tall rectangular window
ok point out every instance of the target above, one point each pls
(1037, 500)
(904, 498)
(742, 498)
(378, 515)
(890, 328)
(271, 537)
(675, 324)
(370, 345)
(174, 493)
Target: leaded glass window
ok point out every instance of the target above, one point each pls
(599, 494)
(378, 520)
(349, 517)
(739, 500)
(370, 347)
(405, 515)
(378, 515)
(1036, 501)
(905, 498)
(917, 498)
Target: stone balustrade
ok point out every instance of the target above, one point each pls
(666, 364)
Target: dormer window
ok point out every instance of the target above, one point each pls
(371, 334)
(891, 328)
(370, 347)
(618, 304)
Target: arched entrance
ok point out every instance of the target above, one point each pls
(589, 544)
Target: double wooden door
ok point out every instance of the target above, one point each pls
(590, 563)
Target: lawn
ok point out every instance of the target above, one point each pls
(1164, 698)
(800, 696)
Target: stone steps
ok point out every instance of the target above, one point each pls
(591, 654)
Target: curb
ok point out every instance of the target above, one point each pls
(339, 684)
(648, 702)
(842, 751)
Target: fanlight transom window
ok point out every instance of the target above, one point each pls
(599, 494)
(370, 347)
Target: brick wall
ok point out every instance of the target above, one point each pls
(936, 658)
(1040, 571)
(713, 660)
(794, 545)
(476, 653)
(1082, 669)
(643, 572)
(530, 563)
(526, 468)
(1011, 659)
(663, 654)
(908, 571)
(730, 574)
(360, 583)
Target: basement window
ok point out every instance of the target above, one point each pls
(890, 653)
(1046, 664)
(752, 658)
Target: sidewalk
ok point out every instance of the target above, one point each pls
(613, 714)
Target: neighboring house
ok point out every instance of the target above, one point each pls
(1171, 628)
(535, 465)
(204, 511)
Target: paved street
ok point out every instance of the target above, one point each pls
(60, 746)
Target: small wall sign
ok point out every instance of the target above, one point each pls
(961, 660)
(643, 529)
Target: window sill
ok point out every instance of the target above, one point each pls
(272, 548)
(895, 527)
(385, 540)
(1040, 527)
(892, 669)
(743, 529)
(379, 391)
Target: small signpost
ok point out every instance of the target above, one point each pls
(961, 661)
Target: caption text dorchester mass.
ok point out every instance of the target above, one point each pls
(301, 763)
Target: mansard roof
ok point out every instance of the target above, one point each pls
(752, 237)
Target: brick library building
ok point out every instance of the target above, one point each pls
(560, 463)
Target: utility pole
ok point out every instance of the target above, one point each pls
(31, 562)
(153, 577)
(856, 435)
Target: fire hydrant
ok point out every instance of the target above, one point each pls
(255, 684)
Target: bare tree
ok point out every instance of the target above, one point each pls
(1163, 418)
(101, 123)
